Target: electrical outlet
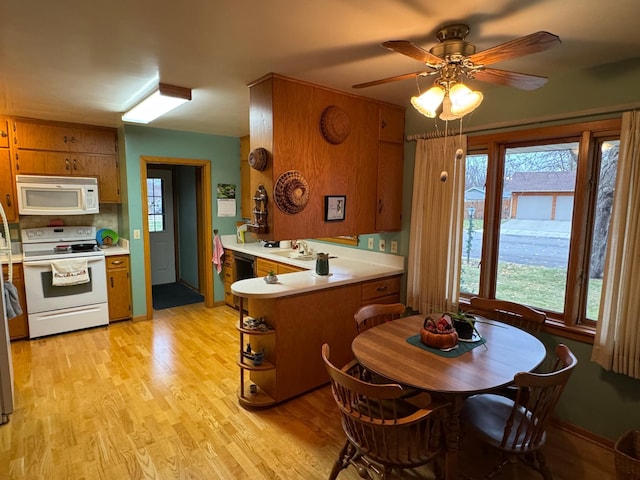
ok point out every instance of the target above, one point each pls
(394, 246)
(370, 244)
(136, 234)
(381, 245)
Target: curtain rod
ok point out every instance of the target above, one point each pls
(534, 121)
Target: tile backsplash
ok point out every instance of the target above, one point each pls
(107, 218)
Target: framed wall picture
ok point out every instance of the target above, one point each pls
(334, 207)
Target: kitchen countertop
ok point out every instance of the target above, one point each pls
(350, 266)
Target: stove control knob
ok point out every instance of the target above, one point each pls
(39, 233)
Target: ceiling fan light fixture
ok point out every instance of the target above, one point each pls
(429, 101)
(464, 100)
(164, 99)
(446, 114)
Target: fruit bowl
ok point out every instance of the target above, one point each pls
(438, 340)
(438, 332)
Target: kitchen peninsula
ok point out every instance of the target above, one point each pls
(303, 311)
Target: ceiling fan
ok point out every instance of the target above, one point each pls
(454, 57)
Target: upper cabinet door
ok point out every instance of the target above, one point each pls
(389, 187)
(7, 194)
(391, 124)
(4, 132)
(63, 138)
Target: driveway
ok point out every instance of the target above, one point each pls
(537, 228)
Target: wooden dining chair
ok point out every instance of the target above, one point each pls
(377, 313)
(517, 427)
(383, 431)
(515, 314)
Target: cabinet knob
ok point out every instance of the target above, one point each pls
(383, 124)
(8, 200)
(111, 282)
(382, 288)
(66, 164)
(3, 133)
(69, 139)
(380, 206)
(116, 262)
(75, 164)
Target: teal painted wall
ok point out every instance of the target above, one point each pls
(601, 402)
(222, 152)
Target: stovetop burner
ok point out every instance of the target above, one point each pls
(55, 242)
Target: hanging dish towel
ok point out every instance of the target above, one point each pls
(218, 253)
(11, 300)
(73, 271)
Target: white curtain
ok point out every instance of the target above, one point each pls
(435, 243)
(617, 341)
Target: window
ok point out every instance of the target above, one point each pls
(537, 210)
(155, 204)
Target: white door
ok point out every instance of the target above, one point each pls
(161, 230)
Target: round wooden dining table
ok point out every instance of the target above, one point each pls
(507, 350)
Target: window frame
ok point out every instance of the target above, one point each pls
(590, 135)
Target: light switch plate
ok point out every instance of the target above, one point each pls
(370, 244)
(394, 246)
(136, 234)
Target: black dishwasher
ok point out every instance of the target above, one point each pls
(245, 266)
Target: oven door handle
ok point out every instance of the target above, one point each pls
(47, 263)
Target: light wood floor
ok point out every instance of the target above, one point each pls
(157, 400)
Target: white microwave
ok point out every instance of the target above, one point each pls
(45, 195)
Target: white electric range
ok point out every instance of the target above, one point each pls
(62, 308)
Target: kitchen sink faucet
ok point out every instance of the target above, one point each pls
(303, 248)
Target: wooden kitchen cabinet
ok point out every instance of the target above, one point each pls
(289, 119)
(390, 169)
(285, 268)
(118, 287)
(264, 266)
(57, 137)
(18, 326)
(228, 274)
(391, 124)
(49, 148)
(389, 187)
(7, 187)
(103, 168)
(385, 290)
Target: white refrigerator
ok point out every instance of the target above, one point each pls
(6, 364)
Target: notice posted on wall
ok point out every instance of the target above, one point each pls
(226, 200)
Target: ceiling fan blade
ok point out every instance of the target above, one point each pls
(391, 79)
(410, 50)
(522, 81)
(536, 42)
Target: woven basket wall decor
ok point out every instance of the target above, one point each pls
(258, 158)
(291, 192)
(335, 125)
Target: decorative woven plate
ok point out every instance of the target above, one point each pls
(291, 192)
(258, 158)
(335, 125)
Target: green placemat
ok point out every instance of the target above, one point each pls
(463, 347)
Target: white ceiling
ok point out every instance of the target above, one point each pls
(87, 61)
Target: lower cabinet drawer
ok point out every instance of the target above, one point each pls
(377, 290)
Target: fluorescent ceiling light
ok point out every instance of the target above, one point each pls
(164, 99)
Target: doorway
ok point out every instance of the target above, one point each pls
(165, 267)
